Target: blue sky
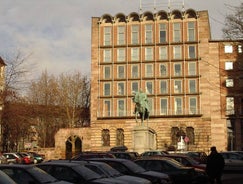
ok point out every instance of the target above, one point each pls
(57, 33)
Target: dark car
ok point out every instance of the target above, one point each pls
(153, 153)
(38, 158)
(26, 174)
(124, 155)
(233, 161)
(128, 167)
(5, 179)
(178, 173)
(75, 173)
(199, 156)
(87, 155)
(107, 171)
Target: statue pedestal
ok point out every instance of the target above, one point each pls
(144, 139)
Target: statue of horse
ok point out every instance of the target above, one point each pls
(141, 106)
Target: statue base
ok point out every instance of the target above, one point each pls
(144, 139)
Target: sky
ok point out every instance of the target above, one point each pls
(57, 33)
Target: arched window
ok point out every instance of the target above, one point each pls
(190, 134)
(174, 135)
(105, 137)
(120, 137)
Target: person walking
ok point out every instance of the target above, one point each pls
(215, 166)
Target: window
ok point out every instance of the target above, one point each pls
(107, 55)
(120, 88)
(192, 52)
(148, 53)
(107, 72)
(149, 87)
(163, 87)
(228, 48)
(135, 54)
(121, 72)
(163, 53)
(107, 35)
(149, 33)
(177, 86)
(162, 33)
(149, 70)
(191, 31)
(107, 89)
(135, 34)
(230, 109)
(107, 108)
(105, 137)
(193, 105)
(151, 106)
(135, 72)
(239, 48)
(163, 106)
(135, 87)
(176, 32)
(119, 137)
(178, 105)
(121, 107)
(192, 86)
(192, 69)
(121, 35)
(229, 83)
(177, 69)
(120, 55)
(177, 52)
(163, 70)
(229, 65)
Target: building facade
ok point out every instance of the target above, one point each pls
(170, 56)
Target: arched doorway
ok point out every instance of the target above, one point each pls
(73, 146)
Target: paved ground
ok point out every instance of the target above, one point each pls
(232, 178)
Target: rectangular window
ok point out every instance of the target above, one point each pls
(177, 86)
(107, 55)
(191, 31)
(228, 49)
(163, 70)
(163, 106)
(163, 54)
(135, 71)
(239, 48)
(135, 54)
(120, 55)
(230, 109)
(107, 89)
(178, 105)
(229, 65)
(192, 69)
(148, 53)
(162, 33)
(229, 83)
(121, 72)
(107, 72)
(191, 51)
(149, 70)
(192, 86)
(121, 35)
(135, 34)
(177, 54)
(121, 107)
(177, 69)
(135, 87)
(120, 88)
(149, 87)
(163, 87)
(193, 105)
(176, 32)
(151, 106)
(107, 35)
(148, 33)
(107, 108)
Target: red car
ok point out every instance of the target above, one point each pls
(26, 158)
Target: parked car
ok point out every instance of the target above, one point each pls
(13, 158)
(124, 155)
(75, 173)
(87, 155)
(199, 156)
(233, 161)
(3, 160)
(38, 158)
(26, 158)
(23, 174)
(5, 179)
(107, 171)
(153, 153)
(128, 167)
(177, 172)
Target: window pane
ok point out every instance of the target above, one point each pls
(149, 70)
(176, 32)
(191, 31)
(163, 70)
(107, 36)
(229, 65)
(121, 72)
(162, 33)
(178, 106)
(148, 33)
(228, 48)
(107, 108)
(107, 72)
(192, 86)
(120, 54)
(163, 106)
(149, 87)
(121, 35)
(121, 88)
(229, 83)
(192, 52)
(163, 87)
(193, 105)
(107, 89)
(230, 109)
(148, 54)
(178, 86)
(177, 52)
(135, 72)
(135, 54)
(121, 107)
(107, 55)
(134, 87)
(191, 69)
(135, 30)
(177, 70)
(163, 53)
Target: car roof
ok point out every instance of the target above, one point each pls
(24, 166)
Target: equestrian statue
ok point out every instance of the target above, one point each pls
(141, 106)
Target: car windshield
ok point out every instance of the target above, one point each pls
(133, 166)
(41, 175)
(86, 173)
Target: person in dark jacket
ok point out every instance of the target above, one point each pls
(215, 166)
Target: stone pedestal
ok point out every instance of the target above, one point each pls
(144, 139)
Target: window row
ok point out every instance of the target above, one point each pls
(135, 71)
(105, 135)
(229, 48)
(176, 105)
(176, 52)
(164, 87)
(149, 33)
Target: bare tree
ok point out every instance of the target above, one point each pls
(233, 28)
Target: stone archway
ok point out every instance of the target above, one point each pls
(73, 146)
